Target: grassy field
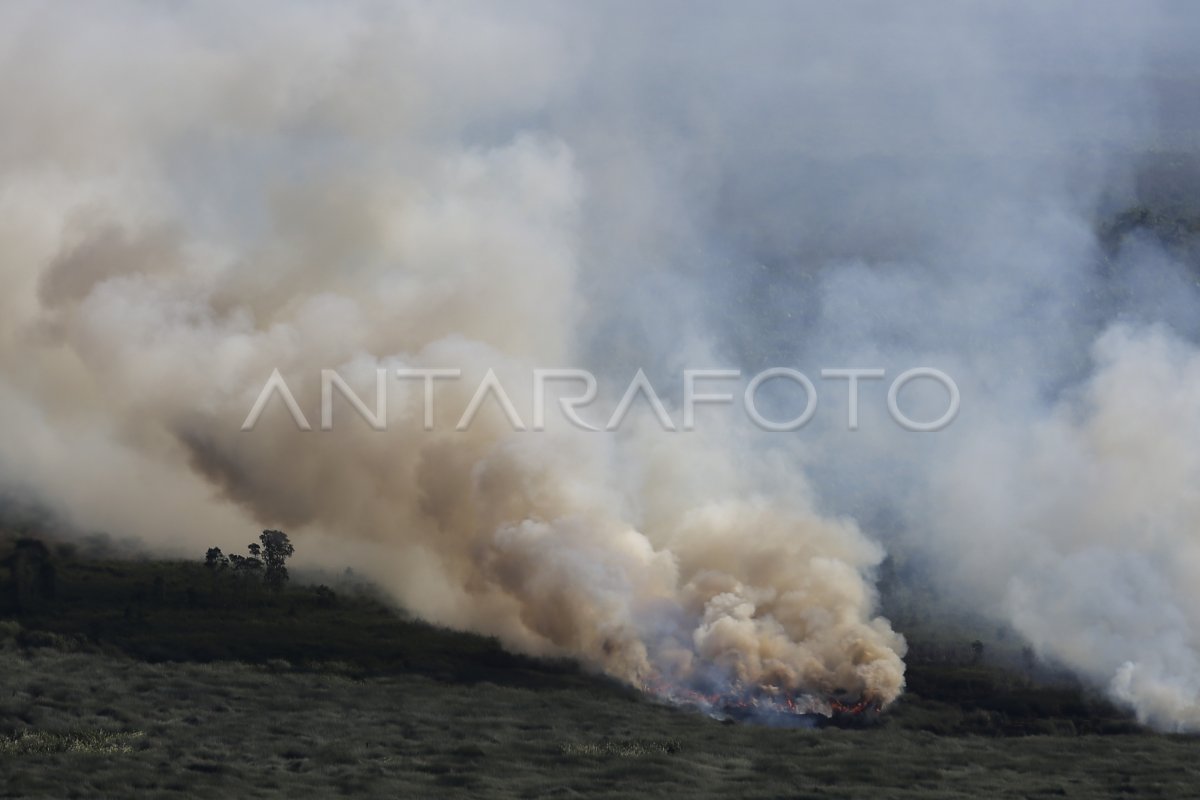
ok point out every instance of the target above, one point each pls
(152, 679)
(86, 725)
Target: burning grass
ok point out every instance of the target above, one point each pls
(768, 706)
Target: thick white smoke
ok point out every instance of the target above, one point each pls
(196, 195)
(1088, 541)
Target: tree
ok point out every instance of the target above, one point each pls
(215, 560)
(276, 550)
(246, 565)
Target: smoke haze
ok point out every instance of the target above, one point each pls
(197, 195)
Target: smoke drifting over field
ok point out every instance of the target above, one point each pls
(195, 196)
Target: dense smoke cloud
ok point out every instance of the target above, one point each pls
(196, 196)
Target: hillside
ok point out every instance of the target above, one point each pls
(137, 667)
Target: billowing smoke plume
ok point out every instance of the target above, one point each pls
(191, 206)
(195, 196)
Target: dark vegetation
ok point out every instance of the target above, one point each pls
(219, 609)
(266, 560)
(149, 678)
(1177, 228)
(968, 675)
(214, 610)
(189, 678)
(1163, 207)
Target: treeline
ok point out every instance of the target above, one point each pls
(261, 573)
(266, 560)
(43, 576)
